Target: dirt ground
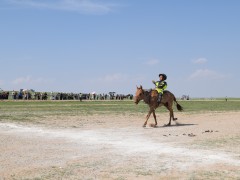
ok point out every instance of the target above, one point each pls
(196, 146)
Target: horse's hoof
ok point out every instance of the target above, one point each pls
(168, 124)
(153, 125)
(144, 125)
(174, 119)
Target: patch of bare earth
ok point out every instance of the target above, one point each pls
(196, 146)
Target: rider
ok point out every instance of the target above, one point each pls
(160, 86)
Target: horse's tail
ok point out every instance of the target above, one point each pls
(179, 107)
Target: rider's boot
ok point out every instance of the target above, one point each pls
(159, 98)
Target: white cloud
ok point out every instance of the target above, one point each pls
(152, 62)
(200, 61)
(21, 80)
(29, 80)
(113, 77)
(206, 73)
(80, 6)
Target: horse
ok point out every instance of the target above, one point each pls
(150, 98)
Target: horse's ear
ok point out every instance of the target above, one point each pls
(140, 86)
(137, 86)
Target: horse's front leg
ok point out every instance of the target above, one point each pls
(147, 117)
(154, 115)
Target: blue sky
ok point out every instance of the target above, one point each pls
(115, 45)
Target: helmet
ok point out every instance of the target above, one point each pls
(164, 76)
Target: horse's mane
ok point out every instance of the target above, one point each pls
(147, 90)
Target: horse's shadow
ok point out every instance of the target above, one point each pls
(173, 125)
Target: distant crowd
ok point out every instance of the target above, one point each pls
(32, 95)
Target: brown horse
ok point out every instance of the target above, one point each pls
(150, 98)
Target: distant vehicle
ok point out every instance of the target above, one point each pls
(185, 97)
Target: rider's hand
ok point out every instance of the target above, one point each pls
(153, 81)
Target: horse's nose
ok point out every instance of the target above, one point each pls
(135, 101)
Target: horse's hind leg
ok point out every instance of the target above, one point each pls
(171, 115)
(174, 118)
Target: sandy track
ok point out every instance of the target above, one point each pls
(109, 147)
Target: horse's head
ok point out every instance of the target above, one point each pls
(139, 95)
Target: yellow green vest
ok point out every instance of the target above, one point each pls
(161, 86)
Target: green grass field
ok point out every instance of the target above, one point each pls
(27, 110)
